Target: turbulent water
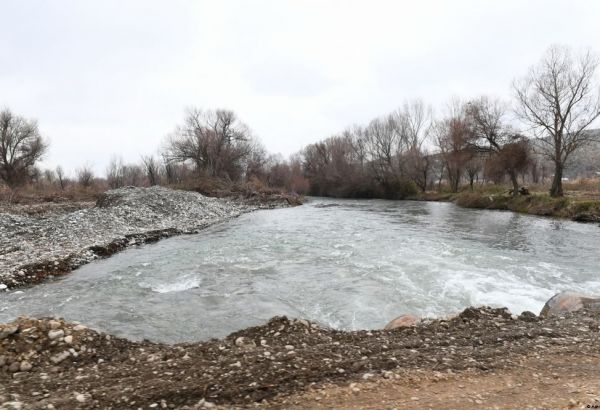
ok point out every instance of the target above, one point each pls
(349, 264)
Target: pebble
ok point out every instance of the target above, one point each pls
(54, 324)
(206, 404)
(7, 331)
(25, 366)
(68, 339)
(55, 334)
(57, 358)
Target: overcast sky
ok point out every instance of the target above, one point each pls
(114, 77)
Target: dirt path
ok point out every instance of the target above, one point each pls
(556, 380)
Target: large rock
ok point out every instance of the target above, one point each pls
(403, 321)
(569, 302)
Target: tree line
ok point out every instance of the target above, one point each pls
(408, 150)
(393, 156)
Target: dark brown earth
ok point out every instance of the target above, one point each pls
(284, 362)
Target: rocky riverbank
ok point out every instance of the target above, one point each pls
(35, 244)
(50, 363)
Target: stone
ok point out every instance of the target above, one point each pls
(25, 366)
(528, 316)
(14, 367)
(405, 320)
(7, 331)
(55, 334)
(79, 328)
(80, 397)
(57, 358)
(14, 405)
(206, 404)
(564, 302)
(68, 339)
(244, 342)
(54, 324)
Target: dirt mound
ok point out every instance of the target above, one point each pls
(50, 361)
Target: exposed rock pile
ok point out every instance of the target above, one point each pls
(34, 247)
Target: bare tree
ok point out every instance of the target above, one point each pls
(115, 173)
(452, 136)
(49, 176)
(152, 168)
(61, 178)
(490, 134)
(560, 99)
(473, 167)
(21, 146)
(85, 176)
(217, 142)
(133, 175)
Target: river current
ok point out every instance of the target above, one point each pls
(348, 264)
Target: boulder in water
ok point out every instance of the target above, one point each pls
(403, 321)
(564, 302)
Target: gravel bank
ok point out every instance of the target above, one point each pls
(33, 247)
(50, 363)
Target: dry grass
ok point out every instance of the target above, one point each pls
(43, 193)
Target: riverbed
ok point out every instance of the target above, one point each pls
(347, 264)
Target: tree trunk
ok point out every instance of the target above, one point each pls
(557, 190)
(515, 182)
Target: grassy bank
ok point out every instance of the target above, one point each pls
(577, 206)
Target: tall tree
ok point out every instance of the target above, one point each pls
(490, 134)
(560, 99)
(217, 142)
(21, 146)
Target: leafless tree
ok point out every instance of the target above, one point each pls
(152, 168)
(560, 99)
(85, 176)
(473, 167)
(452, 135)
(133, 175)
(115, 173)
(417, 122)
(21, 146)
(61, 178)
(217, 142)
(490, 134)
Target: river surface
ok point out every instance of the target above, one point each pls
(348, 264)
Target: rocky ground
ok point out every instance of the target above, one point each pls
(483, 357)
(40, 240)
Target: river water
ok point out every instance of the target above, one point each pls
(348, 264)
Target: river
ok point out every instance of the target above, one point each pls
(348, 264)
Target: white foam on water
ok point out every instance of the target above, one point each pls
(495, 288)
(180, 286)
